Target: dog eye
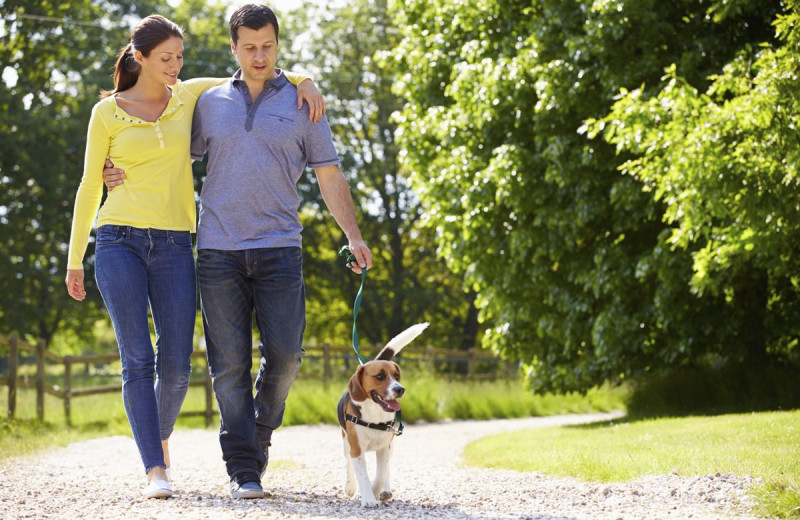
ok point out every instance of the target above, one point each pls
(381, 376)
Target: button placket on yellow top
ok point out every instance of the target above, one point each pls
(158, 132)
(172, 106)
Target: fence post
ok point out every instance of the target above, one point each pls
(471, 354)
(13, 363)
(68, 389)
(431, 359)
(40, 348)
(326, 365)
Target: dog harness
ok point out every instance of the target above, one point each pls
(384, 426)
(345, 417)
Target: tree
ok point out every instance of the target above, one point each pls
(55, 59)
(567, 254)
(723, 163)
(408, 284)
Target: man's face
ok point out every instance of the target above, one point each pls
(257, 52)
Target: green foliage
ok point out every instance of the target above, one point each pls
(56, 58)
(434, 399)
(730, 389)
(408, 284)
(571, 257)
(723, 164)
(206, 40)
(46, 100)
(44, 120)
(311, 403)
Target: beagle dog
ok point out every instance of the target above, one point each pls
(366, 414)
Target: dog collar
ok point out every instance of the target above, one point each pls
(384, 426)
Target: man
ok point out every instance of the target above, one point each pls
(249, 255)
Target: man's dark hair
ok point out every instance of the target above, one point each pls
(253, 17)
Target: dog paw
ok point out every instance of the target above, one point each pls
(369, 502)
(386, 495)
(349, 490)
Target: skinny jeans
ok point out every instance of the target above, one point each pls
(135, 269)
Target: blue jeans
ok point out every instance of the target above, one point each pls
(233, 285)
(133, 268)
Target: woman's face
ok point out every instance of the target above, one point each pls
(164, 62)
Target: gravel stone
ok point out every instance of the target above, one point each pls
(103, 479)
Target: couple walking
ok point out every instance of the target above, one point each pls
(260, 129)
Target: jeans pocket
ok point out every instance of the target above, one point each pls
(109, 234)
(182, 239)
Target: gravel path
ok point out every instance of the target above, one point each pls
(101, 479)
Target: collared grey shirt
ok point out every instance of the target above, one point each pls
(257, 152)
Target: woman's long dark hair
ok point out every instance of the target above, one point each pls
(147, 35)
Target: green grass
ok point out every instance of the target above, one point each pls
(508, 400)
(761, 445)
(431, 399)
(427, 399)
(92, 416)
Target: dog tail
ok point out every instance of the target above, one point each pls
(397, 343)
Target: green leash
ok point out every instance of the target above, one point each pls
(350, 259)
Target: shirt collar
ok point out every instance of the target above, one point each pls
(277, 82)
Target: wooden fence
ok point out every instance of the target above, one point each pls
(336, 361)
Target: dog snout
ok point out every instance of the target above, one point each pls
(399, 390)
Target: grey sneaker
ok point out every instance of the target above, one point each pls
(247, 490)
(264, 445)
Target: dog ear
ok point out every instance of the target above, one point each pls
(356, 387)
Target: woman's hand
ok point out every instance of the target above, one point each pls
(74, 283)
(308, 92)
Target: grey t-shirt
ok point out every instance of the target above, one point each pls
(257, 152)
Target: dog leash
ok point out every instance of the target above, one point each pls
(350, 259)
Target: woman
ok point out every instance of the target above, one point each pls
(143, 252)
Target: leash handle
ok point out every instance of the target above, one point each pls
(350, 259)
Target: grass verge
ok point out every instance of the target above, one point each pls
(762, 445)
(309, 402)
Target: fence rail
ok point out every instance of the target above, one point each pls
(332, 358)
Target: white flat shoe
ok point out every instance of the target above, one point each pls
(157, 488)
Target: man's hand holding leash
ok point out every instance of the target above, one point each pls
(362, 254)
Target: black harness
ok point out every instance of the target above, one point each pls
(345, 417)
(383, 426)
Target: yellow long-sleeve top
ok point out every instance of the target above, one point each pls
(158, 191)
